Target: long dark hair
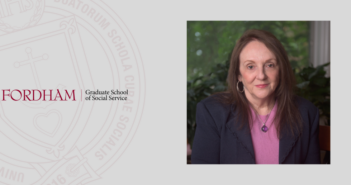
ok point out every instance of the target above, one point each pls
(287, 115)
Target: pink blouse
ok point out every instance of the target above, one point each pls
(266, 145)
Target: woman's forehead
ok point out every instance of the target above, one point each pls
(256, 51)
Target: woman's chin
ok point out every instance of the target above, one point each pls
(262, 95)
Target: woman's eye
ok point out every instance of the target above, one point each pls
(270, 65)
(249, 67)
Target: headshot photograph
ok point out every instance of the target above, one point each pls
(258, 92)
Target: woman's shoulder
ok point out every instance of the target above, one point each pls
(214, 111)
(216, 105)
(218, 100)
(302, 102)
(305, 105)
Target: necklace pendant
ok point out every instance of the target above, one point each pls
(264, 128)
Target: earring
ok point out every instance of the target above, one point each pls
(237, 87)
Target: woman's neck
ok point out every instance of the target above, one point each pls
(262, 106)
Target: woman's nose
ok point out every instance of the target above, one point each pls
(261, 74)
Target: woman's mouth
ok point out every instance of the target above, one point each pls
(261, 85)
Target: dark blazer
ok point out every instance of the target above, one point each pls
(218, 139)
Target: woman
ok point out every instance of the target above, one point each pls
(258, 120)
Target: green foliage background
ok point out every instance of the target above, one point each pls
(210, 43)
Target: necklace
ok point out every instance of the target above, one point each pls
(264, 128)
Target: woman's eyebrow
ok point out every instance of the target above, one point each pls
(248, 61)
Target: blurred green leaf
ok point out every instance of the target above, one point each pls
(303, 84)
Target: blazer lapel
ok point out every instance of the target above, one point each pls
(243, 134)
(286, 144)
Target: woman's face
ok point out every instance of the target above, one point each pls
(259, 71)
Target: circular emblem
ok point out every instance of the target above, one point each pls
(20, 14)
(65, 44)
